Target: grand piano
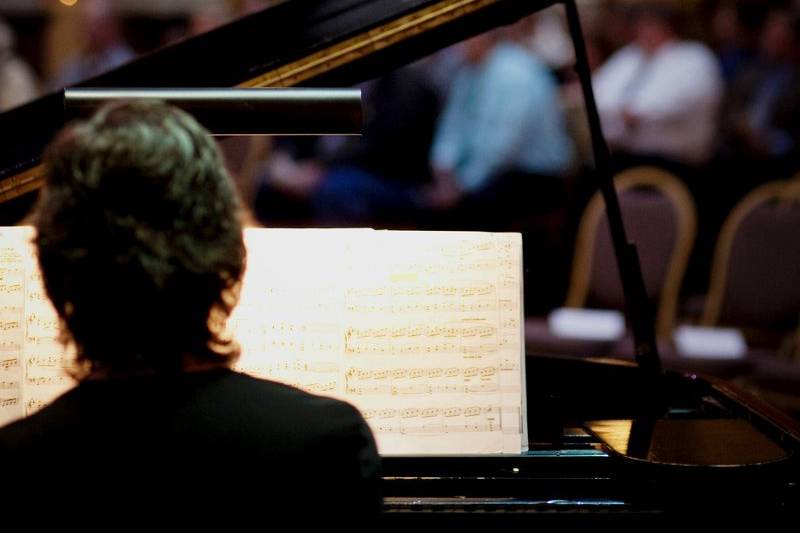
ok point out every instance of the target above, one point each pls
(611, 441)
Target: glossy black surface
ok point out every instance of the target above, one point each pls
(703, 442)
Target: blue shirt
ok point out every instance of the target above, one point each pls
(501, 115)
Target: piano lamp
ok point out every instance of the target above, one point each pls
(226, 111)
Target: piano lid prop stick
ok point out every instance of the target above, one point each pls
(636, 300)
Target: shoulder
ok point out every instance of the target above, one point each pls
(692, 52)
(513, 65)
(332, 432)
(249, 386)
(321, 414)
(618, 68)
(514, 57)
(624, 57)
(52, 419)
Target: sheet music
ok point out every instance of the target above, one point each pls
(290, 314)
(32, 362)
(421, 331)
(46, 360)
(13, 252)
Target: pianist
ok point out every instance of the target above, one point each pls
(140, 246)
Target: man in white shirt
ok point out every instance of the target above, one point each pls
(659, 95)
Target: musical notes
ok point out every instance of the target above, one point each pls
(10, 288)
(9, 402)
(394, 322)
(32, 361)
(427, 381)
(431, 421)
(462, 289)
(44, 322)
(48, 361)
(424, 330)
(37, 296)
(49, 380)
(440, 307)
(34, 404)
(13, 265)
(487, 372)
(9, 363)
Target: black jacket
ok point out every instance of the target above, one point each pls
(189, 447)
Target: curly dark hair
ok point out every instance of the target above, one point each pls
(139, 234)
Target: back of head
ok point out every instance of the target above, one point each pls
(657, 24)
(140, 239)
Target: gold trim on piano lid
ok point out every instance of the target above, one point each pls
(24, 182)
(366, 43)
(318, 63)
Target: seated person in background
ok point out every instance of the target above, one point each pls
(502, 137)
(501, 153)
(659, 96)
(104, 46)
(141, 251)
(758, 131)
(18, 83)
(733, 32)
(359, 180)
(760, 125)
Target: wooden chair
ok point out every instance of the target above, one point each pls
(660, 217)
(755, 286)
(755, 275)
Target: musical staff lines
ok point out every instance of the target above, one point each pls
(33, 363)
(431, 421)
(410, 323)
(13, 250)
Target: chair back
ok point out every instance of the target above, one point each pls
(755, 275)
(660, 217)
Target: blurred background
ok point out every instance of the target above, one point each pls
(700, 102)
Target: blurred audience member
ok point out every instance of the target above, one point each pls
(371, 179)
(375, 177)
(210, 15)
(440, 68)
(17, 82)
(574, 104)
(501, 154)
(502, 132)
(733, 33)
(659, 96)
(761, 113)
(104, 48)
(551, 41)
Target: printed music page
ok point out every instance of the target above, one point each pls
(33, 362)
(13, 257)
(46, 361)
(419, 330)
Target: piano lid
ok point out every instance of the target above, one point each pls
(298, 42)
